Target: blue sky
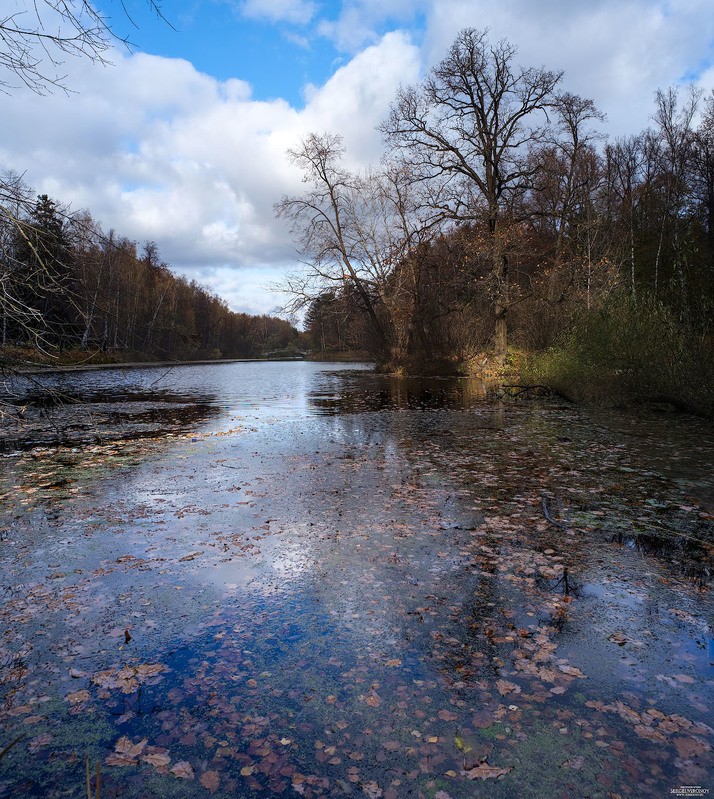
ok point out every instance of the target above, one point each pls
(183, 139)
(278, 55)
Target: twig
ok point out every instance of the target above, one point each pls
(546, 513)
(10, 745)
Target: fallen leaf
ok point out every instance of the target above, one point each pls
(183, 770)
(485, 772)
(157, 759)
(690, 747)
(125, 746)
(572, 671)
(372, 700)
(506, 687)
(116, 759)
(190, 556)
(76, 697)
(372, 790)
(210, 780)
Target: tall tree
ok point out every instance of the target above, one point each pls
(470, 126)
(329, 224)
(43, 250)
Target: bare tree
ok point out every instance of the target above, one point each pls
(470, 126)
(37, 37)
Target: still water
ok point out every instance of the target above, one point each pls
(259, 579)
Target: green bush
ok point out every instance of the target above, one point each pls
(630, 350)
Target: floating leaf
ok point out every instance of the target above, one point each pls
(572, 671)
(485, 772)
(183, 770)
(210, 780)
(506, 687)
(372, 700)
(76, 697)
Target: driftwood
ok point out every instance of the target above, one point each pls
(548, 516)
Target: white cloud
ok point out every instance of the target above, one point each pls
(158, 151)
(359, 22)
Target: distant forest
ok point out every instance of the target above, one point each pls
(66, 285)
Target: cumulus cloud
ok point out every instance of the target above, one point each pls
(616, 52)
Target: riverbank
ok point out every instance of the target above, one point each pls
(32, 361)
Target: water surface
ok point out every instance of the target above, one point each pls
(260, 579)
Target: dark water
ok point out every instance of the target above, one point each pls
(269, 579)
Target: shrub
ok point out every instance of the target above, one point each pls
(630, 350)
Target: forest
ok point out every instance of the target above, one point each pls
(503, 226)
(70, 291)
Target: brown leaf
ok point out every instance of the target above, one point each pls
(506, 687)
(116, 759)
(690, 747)
(183, 770)
(372, 790)
(571, 670)
(157, 759)
(447, 715)
(190, 556)
(125, 746)
(485, 772)
(372, 700)
(77, 696)
(210, 780)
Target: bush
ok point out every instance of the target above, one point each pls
(630, 350)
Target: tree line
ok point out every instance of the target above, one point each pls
(501, 214)
(65, 284)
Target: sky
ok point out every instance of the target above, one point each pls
(182, 140)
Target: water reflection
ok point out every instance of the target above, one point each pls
(342, 393)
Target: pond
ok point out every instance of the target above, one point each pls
(258, 579)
